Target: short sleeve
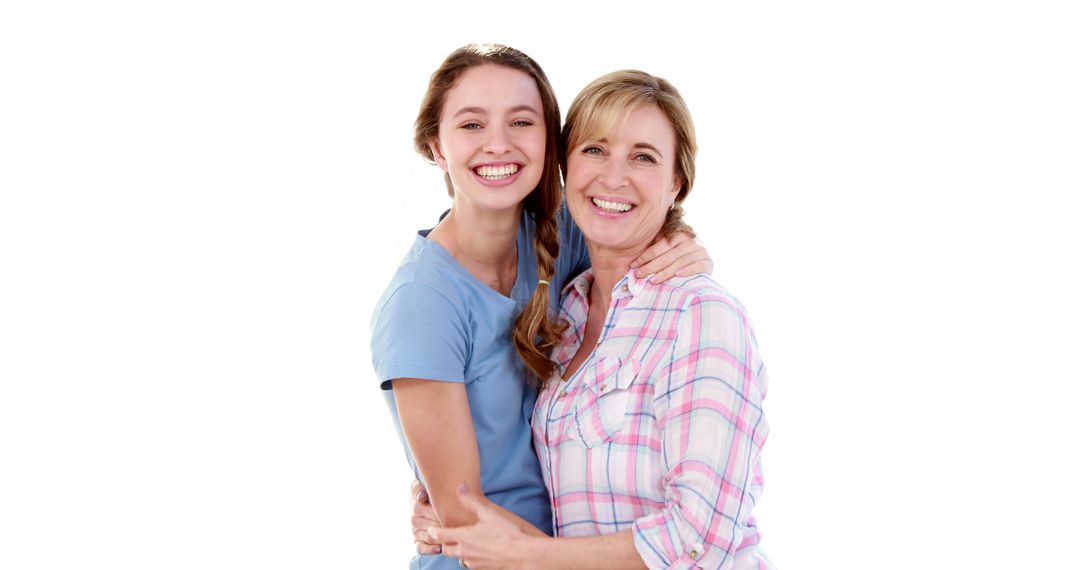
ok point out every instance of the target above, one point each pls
(573, 255)
(418, 333)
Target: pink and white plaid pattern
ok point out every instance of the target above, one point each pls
(660, 430)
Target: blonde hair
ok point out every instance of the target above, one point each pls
(535, 332)
(609, 100)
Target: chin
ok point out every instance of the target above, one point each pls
(504, 201)
(606, 240)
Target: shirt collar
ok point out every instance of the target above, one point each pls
(629, 285)
(580, 284)
(575, 309)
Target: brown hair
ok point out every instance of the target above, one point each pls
(608, 101)
(535, 332)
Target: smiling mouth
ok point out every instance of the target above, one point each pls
(614, 207)
(500, 172)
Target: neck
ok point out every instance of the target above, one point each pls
(484, 242)
(609, 266)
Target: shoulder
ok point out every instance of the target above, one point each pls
(704, 305)
(697, 290)
(417, 296)
(424, 282)
(420, 327)
(713, 332)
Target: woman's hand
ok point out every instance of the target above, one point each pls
(494, 541)
(674, 255)
(423, 518)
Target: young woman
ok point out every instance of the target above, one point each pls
(650, 429)
(469, 303)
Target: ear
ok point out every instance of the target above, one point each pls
(436, 152)
(676, 187)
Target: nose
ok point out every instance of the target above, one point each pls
(498, 141)
(613, 175)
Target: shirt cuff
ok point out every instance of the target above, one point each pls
(658, 543)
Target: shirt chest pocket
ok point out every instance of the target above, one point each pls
(600, 406)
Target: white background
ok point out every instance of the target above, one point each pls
(202, 201)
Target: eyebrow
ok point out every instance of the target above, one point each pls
(636, 145)
(482, 111)
(650, 147)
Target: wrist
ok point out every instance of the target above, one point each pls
(534, 551)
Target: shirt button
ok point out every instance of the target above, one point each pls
(625, 288)
(694, 554)
(561, 394)
(603, 387)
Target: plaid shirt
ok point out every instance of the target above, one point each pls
(660, 429)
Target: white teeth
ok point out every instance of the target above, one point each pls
(497, 172)
(612, 206)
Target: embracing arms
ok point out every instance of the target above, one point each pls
(495, 542)
(707, 404)
(437, 423)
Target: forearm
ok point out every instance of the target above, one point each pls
(605, 552)
(525, 526)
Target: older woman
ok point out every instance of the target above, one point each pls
(649, 431)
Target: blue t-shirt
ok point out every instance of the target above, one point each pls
(437, 322)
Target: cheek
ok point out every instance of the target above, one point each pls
(653, 188)
(575, 188)
(536, 146)
(664, 183)
(576, 174)
(576, 185)
(450, 147)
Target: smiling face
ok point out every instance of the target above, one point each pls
(620, 185)
(492, 136)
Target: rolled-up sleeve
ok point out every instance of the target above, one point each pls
(708, 406)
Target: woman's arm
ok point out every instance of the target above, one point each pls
(614, 551)
(420, 351)
(437, 423)
(676, 255)
(708, 404)
(495, 541)
(424, 519)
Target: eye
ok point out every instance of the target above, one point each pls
(592, 149)
(471, 125)
(521, 123)
(645, 157)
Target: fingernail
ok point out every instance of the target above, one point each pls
(463, 488)
(438, 550)
(634, 264)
